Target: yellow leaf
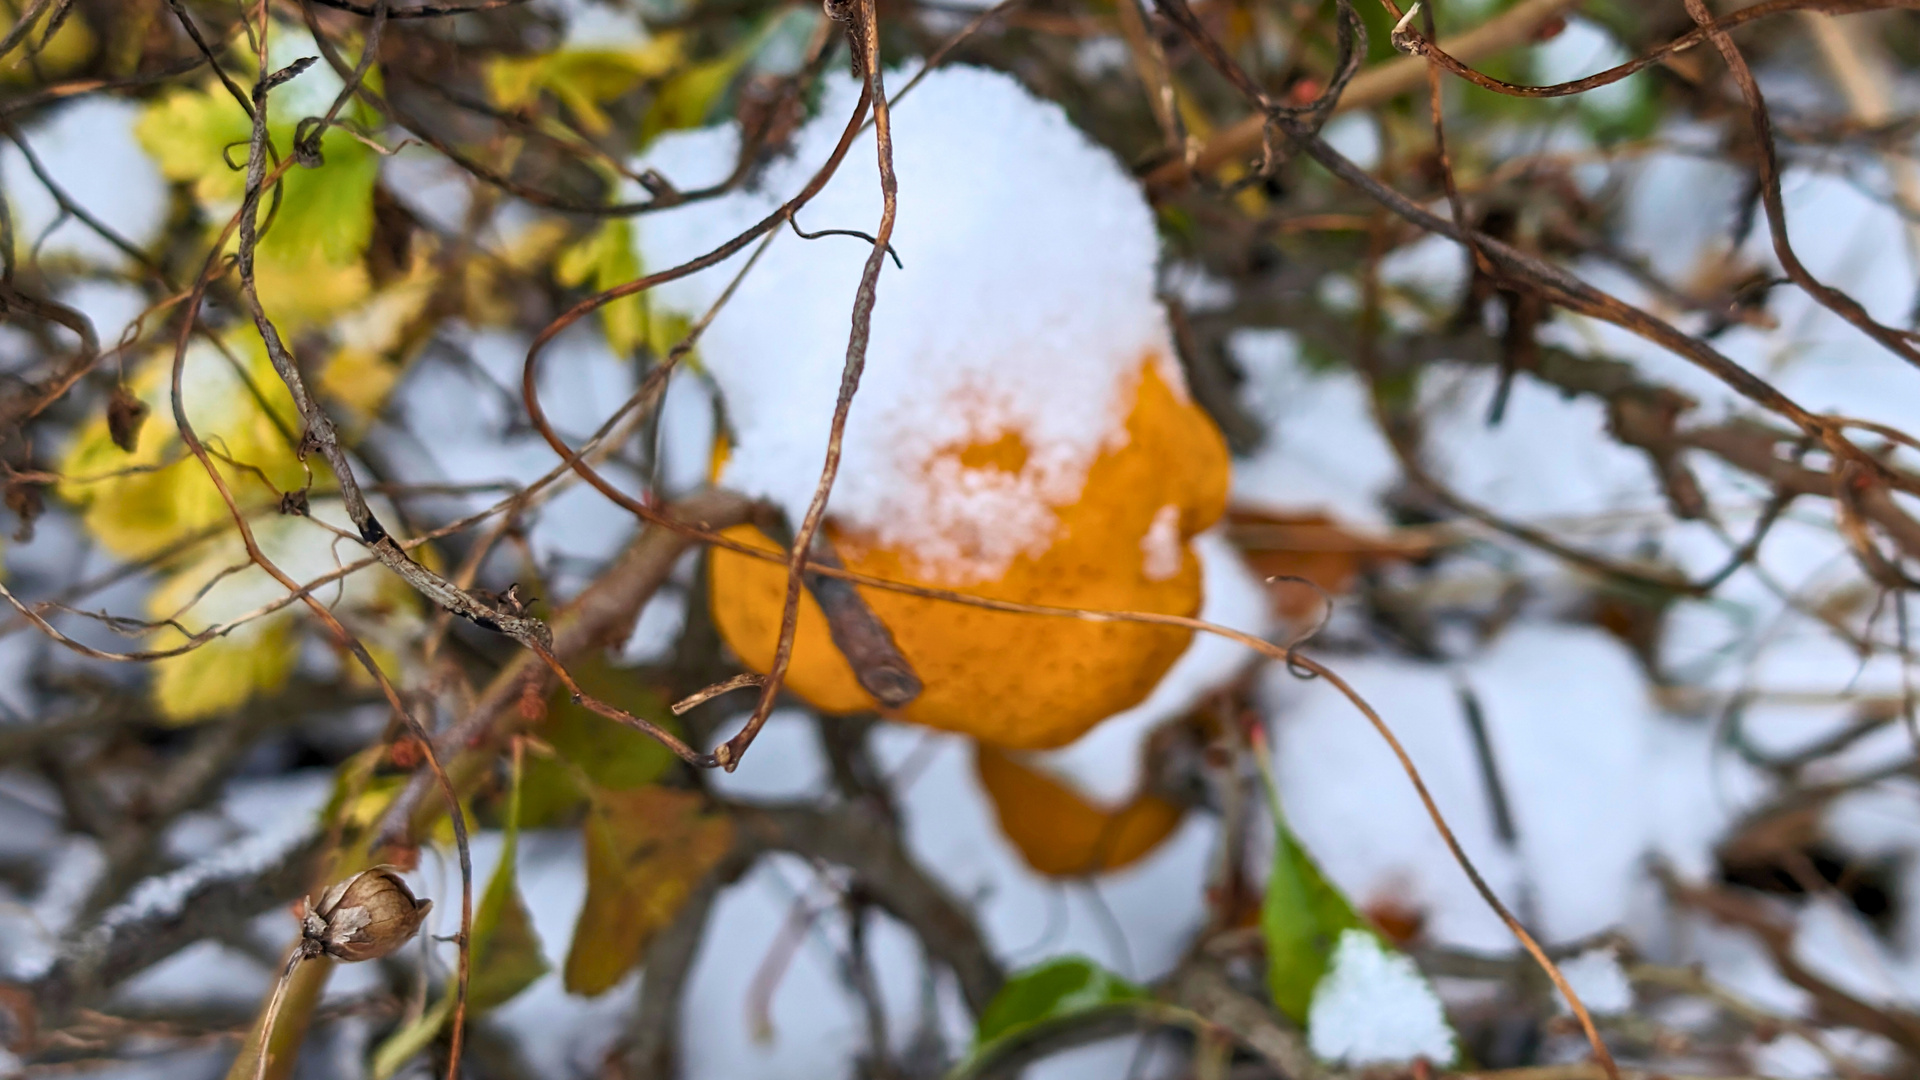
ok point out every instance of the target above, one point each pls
(313, 242)
(604, 259)
(140, 502)
(215, 585)
(486, 298)
(646, 850)
(69, 48)
(224, 673)
(1058, 831)
(582, 79)
(360, 379)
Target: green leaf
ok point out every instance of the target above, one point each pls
(506, 952)
(611, 754)
(1302, 918)
(591, 751)
(646, 851)
(688, 97)
(315, 236)
(409, 1040)
(1059, 989)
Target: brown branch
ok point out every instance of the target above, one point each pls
(131, 939)
(861, 839)
(422, 11)
(1200, 987)
(1424, 47)
(1898, 342)
(865, 35)
(1897, 1025)
(1515, 26)
(652, 1049)
(602, 614)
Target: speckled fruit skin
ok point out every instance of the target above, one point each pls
(1023, 682)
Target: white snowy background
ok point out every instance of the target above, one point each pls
(1605, 775)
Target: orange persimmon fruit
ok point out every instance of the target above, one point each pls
(1021, 681)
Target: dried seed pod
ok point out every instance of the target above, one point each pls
(364, 917)
(125, 414)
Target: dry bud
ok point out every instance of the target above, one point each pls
(125, 414)
(364, 917)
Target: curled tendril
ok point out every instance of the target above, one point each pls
(1326, 614)
(306, 141)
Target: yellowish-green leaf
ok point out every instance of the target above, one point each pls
(67, 50)
(506, 953)
(358, 798)
(591, 751)
(1301, 917)
(610, 754)
(222, 674)
(134, 513)
(409, 1040)
(604, 259)
(646, 851)
(687, 98)
(582, 79)
(215, 586)
(310, 253)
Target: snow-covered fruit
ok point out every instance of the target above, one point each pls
(364, 917)
(1022, 431)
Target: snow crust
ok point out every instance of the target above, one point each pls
(1026, 308)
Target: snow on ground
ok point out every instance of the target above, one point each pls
(1580, 753)
(88, 149)
(1599, 981)
(1321, 451)
(1136, 921)
(466, 424)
